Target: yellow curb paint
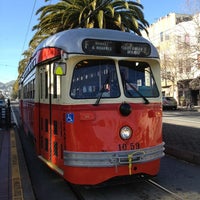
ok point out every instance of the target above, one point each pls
(17, 193)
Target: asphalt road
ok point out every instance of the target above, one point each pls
(183, 118)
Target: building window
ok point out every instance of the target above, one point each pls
(161, 36)
(180, 67)
(187, 39)
(198, 60)
(166, 36)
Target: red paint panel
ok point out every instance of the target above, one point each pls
(92, 176)
(97, 129)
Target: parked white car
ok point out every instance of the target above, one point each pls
(169, 103)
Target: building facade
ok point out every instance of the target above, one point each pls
(177, 39)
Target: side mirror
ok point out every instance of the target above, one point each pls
(60, 68)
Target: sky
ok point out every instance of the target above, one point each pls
(18, 17)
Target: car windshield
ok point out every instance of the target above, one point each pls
(137, 79)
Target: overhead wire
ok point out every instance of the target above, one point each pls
(29, 24)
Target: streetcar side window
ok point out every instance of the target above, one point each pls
(41, 86)
(137, 79)
(46, 85)
(55, 86)
(93, 77)
(29, 90)
(33, 88)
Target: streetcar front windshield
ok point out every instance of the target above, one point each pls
(94, 78)
(137, 79)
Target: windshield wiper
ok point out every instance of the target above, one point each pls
(146, 101)
(102, 90)
(99, 96)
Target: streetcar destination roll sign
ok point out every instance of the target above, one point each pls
(115, 48)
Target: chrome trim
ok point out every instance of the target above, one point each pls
(51, 165)
(114, 158)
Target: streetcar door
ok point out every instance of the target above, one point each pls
(56, 117)
(44, 113)
(50, 118)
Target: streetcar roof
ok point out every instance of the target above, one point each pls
(71, 40)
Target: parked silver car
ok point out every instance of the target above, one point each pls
(169, 103)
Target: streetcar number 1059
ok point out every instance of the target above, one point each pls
(131, 146)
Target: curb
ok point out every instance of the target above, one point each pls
(27, 189)
(188, 156)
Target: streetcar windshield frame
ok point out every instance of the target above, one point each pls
(93, 79)
(96, 79)
(137, 79)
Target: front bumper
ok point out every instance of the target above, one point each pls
(114, 158)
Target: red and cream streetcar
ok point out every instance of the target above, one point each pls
(92, 100)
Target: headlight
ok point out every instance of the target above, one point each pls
(125, 132)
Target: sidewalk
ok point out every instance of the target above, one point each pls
(181, 141)
(14, 178)
(185, 108)
(5, 179)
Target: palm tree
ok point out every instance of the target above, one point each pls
(109, 14)
(67, 14)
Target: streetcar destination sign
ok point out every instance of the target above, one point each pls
(115, 48)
